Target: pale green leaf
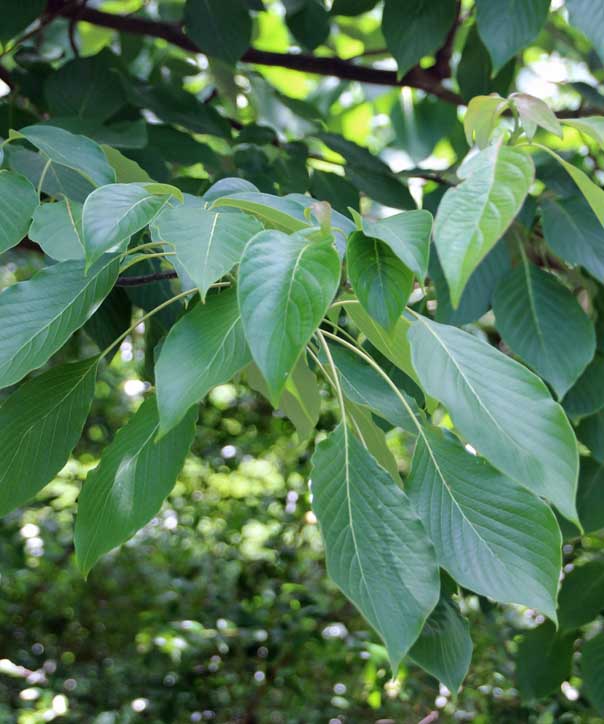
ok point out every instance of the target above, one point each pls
(40, 424)
(372, 437)
(126, 170)
(128, 486)
(535, 113)
(286, 284)
(473, 216)
(504, 410)
(57, 229)
(275, 212)
(481, 118)
(590, 126)
(38, 316)
(376, 547)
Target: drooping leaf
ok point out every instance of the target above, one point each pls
(542, 322)
(535, 113)
(18, 201)
(38, 316)
(381, 281)
(490, 533)
(473, 216)
(574, 232)
(408, 236)
(40, 425)
(592, 671)
(588, 17)
(536, 448)
(506, 26)
(207, 244)
(543, 661)
(72, 151)
(586, 397)
(377, 550)
(204, 348)
(444, 647)
(128, 486)
(221, 28)
(114, 212)
(581, 595)
(57, 228)
(416, 28)
(286, 284)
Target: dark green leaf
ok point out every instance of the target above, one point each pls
(588, 16)
(581, 596)
(543, 661)
(18, 200)
(17, 16)
(586, 397)
(590, 496)
(309, 22)
(592, 670)
(591, 433)
(221, 28)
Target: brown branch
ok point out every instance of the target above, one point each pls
(443, 56)
(417, 77)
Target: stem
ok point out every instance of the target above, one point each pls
(144, 257)
(149, 245)
(144, 318)
(334, 369)
(42, 178)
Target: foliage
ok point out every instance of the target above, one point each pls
(240, 218)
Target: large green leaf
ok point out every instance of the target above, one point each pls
(416, 28)
(473, 216)
(114, 212)
(376, 547)
(372, 437)
(592, 670)
(380, 279)
(38, 316)
(364, 386)
(57, 228)
(40, 425)
(508, 26)
(444, 648)
(581, 595)
(72, 151)
(543, 661)
(586, 397)
(408, 235)
(286, 284)
(18, 200)
(276, 212)
(204, 348)
(207, 244)
(542, 322)
(588, 16)
(502, 408)
(574, 232)
(128, 486)
(491, 534)
(221, 28)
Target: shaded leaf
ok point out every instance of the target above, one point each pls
(18, 200)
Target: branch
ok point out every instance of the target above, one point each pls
(417, 77)
(139, 281)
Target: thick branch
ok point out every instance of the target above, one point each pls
(329, 66)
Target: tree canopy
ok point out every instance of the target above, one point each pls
(389, 210)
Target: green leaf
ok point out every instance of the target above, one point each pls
(506, 26)
(86, 88)
(16, 17)
(204, 348)
(57, 228)
(126, 170)
(130, 483)
(38, 316)
(336, 190)
(574, 232)
(352, 7)
(309, 22)
(523, 432)
(490, 534)
(381, 281)
(419, 124)
(590, 496)
(591, 433)
(72, 151)
(372, 437)
(534, 112)
(275, 212)
(586, 397)
(221, 28)
(286, 284)
(18, 200)
(226, 187)
(444, 647)
(362, 385)
(110, 320)
(473, 216)
(592, 671)
(540, 320)
(207, 244)
(588, 17)
(582, 595)
(475, 69)
(408, 236)
(40, 425)
(377, 550)
(416, 28)
(543, 661)
(590, 126)
(115, 212)
(481, 118)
